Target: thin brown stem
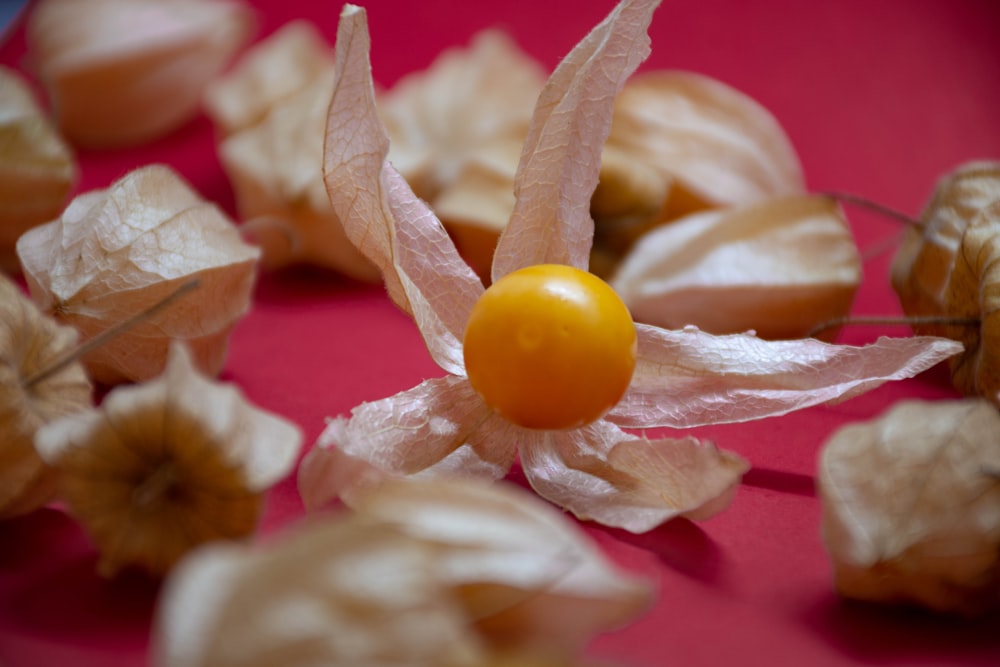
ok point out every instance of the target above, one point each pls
(889, 321)
(108, 334)
(874, 207)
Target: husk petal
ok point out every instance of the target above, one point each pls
(603, 474)
(422, 270)
(561, 158)
(690, 378)
(440, 427)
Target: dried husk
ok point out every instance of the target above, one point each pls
(115, 252)
(457, 129)
(164, 466)
(125, 72)
(780, 268)
(270, 72)
(426, 574)
(911, 506)
(682, 142)
(29, 344)
(37, 168)
(948, 268)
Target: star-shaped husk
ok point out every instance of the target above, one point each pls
(433, 572)
(164, 466)
(32, 344)
(682, 378)
(114, 253)
(949, 268)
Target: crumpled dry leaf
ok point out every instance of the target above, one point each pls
(31, 343)
(682, 142)
(164, 466)
(125, 72)
(781, 268)
(911, 506)
(442, 427)
(37, 169)
(424, 573)
(457, 129)
(115, 252)
(272, 110)
(948, 267)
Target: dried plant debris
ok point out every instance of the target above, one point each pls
(32, 344)
(37, 168)
(444, 427)
(162, 467)
(426, 574)
(115, 252)
(125, 72)
(947, 268)
(682, 142)
(780, 267)
(911, 506)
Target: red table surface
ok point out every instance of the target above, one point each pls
(880, 99)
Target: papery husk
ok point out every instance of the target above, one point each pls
(115, 252)
(781, 268)
(949, 268)
(682, 142)
(31, 343)
(162, 467)
(911, 506)
(269, 73)
(456, 131)
(125, 72)
(37, 168)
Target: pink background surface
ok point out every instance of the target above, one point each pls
(880, 98)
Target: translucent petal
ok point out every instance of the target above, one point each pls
(689, 378)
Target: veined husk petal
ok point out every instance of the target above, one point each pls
(163, 466)
(125, 72)
(116, 252)
(603, 474)
(690, 378)
(780, 267)
(440, 427)
(911, 506)
(267, 75)
(37, 168)
(338, 593)
(525, 573)
(561, 158)
(423, 272)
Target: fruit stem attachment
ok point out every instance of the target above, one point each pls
(876, 321)
(874, 207)
(110, 333)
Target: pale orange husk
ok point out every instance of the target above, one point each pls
(425, 574)
(37, 168)
(162, 467)
(911, 506)
(29, 344)
(116, 252)
(457, 130)
(682, 142)
(125, 72)
(781, 267)
(949, 267)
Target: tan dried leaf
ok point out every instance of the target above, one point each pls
(682, 142)
(911, 506)
(780, 267)
(457, 129)
(162, 467)
(949, 267)
(115, 252)
(31, 343)
(125, 72)
(37, 169)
